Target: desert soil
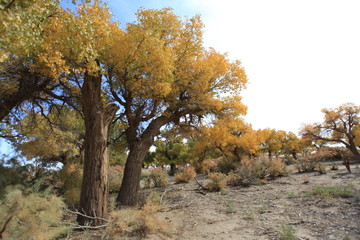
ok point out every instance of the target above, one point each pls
(262, 212)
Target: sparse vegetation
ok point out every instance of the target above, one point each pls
(230, 207)
(287, 232)
(332, 192)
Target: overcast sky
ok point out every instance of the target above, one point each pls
(300, 56)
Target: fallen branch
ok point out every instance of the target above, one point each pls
(90, 227)
(4, 227)
(84, 215)
(202, 186)
(162, 196)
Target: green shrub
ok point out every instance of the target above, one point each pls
(157, 178)
(225, 165)
(306, 165)
(32, 215)
(185, 174)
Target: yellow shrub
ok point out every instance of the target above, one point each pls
(115, 178)
(32, 216)
(139, 222)
(218, 181)
(185, 175)
(71, 177)
(207, 166)
(276, 168)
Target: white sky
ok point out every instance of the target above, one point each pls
(300, 55)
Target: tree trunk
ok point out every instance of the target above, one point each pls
(294, 155)
(172, 169)
(128, 194)
(95, 189)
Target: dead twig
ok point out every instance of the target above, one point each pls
(162, 196)
(90, 227)
(91, 217)
(202, 186)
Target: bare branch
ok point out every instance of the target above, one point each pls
(90, 217)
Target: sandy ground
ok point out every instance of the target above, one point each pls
(258, 212)
(261, 212)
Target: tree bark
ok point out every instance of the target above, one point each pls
(95, 189)
(172, 169)
(128, 194)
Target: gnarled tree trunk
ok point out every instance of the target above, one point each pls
(95, 188)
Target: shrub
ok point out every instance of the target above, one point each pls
(207, 166)
(218, 181)
(258, 167)
(287, 232)
(185, 175)
(71, 177)
(225, 165)
(321, 168)
(276, 168)
(115, 178)
(306, 165)
(139, 222)
(233, 179)
(247, 175)
(157, 177)
(32, 215)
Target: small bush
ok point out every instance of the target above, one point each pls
(306, 165)
(287, 232)
(225, 165)
(139, 222)
(276, 168)
(157, 177)
(185, 175)
(32, 215)
(321, 168)
(247, 176)
(233, 179)
(115, 178)
(218, 181)
(207, 166)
